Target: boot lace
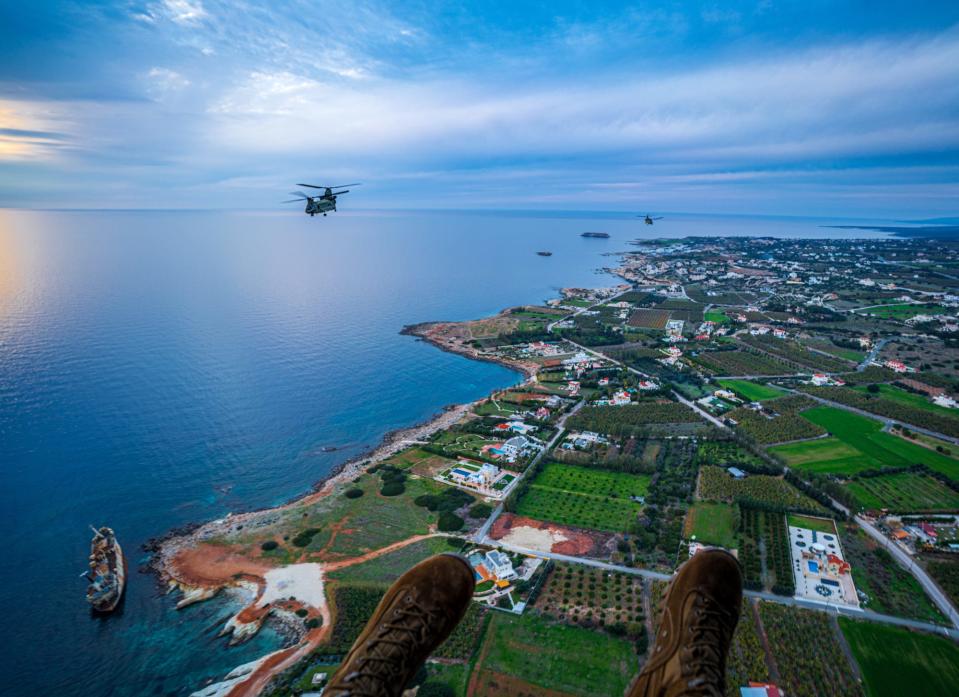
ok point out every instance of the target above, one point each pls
(403, 633)
(704, 663)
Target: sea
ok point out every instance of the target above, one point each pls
(159, 368)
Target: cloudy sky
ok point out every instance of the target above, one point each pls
(780, 107)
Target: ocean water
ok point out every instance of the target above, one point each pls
(159, 368)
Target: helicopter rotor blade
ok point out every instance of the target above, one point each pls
(313, 186)
(343, 186)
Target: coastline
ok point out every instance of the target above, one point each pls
(183, 562)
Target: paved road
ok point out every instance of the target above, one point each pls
(770, 597)
(933, 590)
(696, 408)
(872, 354)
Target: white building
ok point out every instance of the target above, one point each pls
(500, 565)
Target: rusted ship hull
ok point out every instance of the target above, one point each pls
(107, 572)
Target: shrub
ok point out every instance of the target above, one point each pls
(449, 522)
(480, 510)
(304, 537)
(353, 493)
(268, 545)
(312, 623)
(302, 612)
(393, 488)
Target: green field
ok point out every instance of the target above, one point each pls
(583, 496)
(825, 525)
(911, 399)
(904, 491)
(896, 661)
(717, 316)
(858, 443)
(527, 654)
(904, 311)
(713, 523)
(751, 391)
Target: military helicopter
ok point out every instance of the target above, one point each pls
(322, 203)
(648, 220)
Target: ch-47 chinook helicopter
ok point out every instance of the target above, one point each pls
(648, 220)
(323, 203)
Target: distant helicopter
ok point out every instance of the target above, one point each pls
(322, 203)
(648, 220)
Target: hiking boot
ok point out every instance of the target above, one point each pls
(415, 616)
(700, 615)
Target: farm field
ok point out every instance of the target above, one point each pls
(904, 491)
(583, 497)
(589, 597)
(528, 654)
(627, 420)
(717, 316)
(866, 446)
(649, 319)
(810, 659)
(796, 353)
(742, 363)
(826, 525)
(941, 422)
(903, 311)
(746, 661)
(725, 453)
(896, 661)
(713, 523)
(716, 484)
(786, 425)
(911, 399)
(751, 391)
(767, 529)
(828, 455)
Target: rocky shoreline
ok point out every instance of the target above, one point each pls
(423, 332)
(164, 548)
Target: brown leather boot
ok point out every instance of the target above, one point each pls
(702, 609)
(415, 616)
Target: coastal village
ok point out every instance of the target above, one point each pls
(795, 401)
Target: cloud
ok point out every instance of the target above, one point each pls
(188, 12)
(821, 103)
(163, 81)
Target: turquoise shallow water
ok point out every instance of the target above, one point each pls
(158, 368)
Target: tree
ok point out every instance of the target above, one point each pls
(449, 522)
(393, 488)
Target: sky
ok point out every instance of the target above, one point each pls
(812, 107)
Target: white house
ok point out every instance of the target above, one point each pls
(514, 446)
(500, 565)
